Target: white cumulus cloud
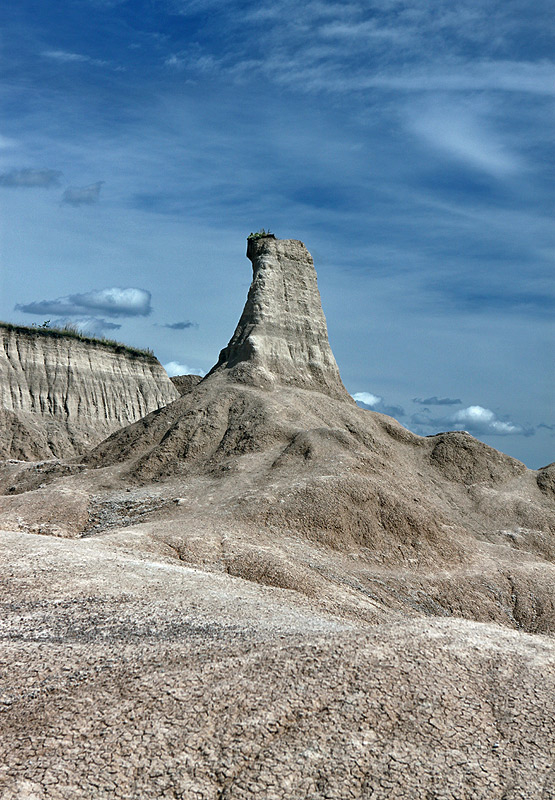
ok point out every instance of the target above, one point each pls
(174, 368)
(483, 420)
(377, 403)
(477, 420)
(114, 301)
(367, 398)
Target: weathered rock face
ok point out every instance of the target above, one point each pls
(184, 383)
(282, 337)
(61, 395)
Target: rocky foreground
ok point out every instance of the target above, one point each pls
(261, 590)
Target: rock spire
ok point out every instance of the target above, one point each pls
(282, 337)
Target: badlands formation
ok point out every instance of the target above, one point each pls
(60, 395)
(261, 590)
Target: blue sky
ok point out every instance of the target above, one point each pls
(408, 144)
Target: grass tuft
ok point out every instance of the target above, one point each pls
(261, 234)
(73, 332)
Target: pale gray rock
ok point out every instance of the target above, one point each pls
(60, 395)
(125, 675)
(282, 336)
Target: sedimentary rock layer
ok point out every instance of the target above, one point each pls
(282, 337)
(60, 395)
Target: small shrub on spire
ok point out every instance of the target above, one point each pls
(261, 234)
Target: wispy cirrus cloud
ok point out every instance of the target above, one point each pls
(463, 132)
(65, 57)
(363, 32)
(6, 143)
(393, 46)
(31, 178)
(115, 301)
(194, 7)
(308, 74)
(482, 293)
(365, 46)
(194, 61)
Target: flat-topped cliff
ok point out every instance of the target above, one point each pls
(60, 394)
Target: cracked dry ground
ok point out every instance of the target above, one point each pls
(125, 676)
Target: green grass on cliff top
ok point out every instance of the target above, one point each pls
(69, 332)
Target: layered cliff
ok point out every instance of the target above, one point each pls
(60, 395)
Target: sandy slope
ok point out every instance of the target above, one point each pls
(128, 676)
